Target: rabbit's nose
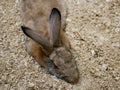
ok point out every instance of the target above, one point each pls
(74, 78)
(74, 81)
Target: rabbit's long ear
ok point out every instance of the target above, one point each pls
(37, 37)
(55, 25)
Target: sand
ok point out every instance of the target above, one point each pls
(93, 28)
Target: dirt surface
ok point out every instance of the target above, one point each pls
(93, 28)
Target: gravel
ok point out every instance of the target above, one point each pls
(93, 28)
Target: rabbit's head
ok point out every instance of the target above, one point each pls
(64, 65)
(60, 62)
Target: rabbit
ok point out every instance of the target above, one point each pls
(44, 24)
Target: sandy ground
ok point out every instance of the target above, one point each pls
(93, 27)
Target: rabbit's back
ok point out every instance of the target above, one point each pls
(35, 14)
(44, 21)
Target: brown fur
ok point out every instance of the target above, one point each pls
(35, 15)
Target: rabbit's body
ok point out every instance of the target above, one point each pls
(36, 14)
